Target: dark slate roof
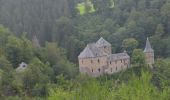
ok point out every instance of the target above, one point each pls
(118, 56)
(148, 47)
(96, 51)
(86, 53)
(102, 42)
(91, 51)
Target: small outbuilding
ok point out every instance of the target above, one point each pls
(22, 67)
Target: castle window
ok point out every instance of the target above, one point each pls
(104, 46)
(110, 62)
(98, 61)
(121, 60)
(24, 65)
(91, 61)
(99, 69)
(92, 70)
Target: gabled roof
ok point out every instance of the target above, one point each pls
(102, 42)
(86, 53)
(118, 56)
(148, 47)
(96, 51)
(91, 51)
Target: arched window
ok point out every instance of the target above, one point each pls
(124, 61)
(98, 61)
(92, 70)
(91, 61)
(24, 65)
(99, 69)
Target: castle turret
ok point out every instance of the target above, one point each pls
(104, 45)
(35, 42)
(149, 53)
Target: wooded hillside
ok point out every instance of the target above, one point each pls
(48, 35)
(59, 21)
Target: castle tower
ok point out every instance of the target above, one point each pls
(92, 60)
(104, 45)
(35, 42)
(149, 53)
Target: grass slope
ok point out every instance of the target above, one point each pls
(81, 7)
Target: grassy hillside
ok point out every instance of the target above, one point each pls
(82, 7)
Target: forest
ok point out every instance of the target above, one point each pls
(48, 35)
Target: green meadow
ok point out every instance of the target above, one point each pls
(82, 7)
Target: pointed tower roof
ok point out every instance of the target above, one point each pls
(36, 41)
(148, 47)
(86, 53)
(102, 42)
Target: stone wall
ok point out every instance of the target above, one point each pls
(94, 66)
(149, 58)
(98, 66)
(107, 49)
(117, 66)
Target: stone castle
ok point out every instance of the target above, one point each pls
(97, 59)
